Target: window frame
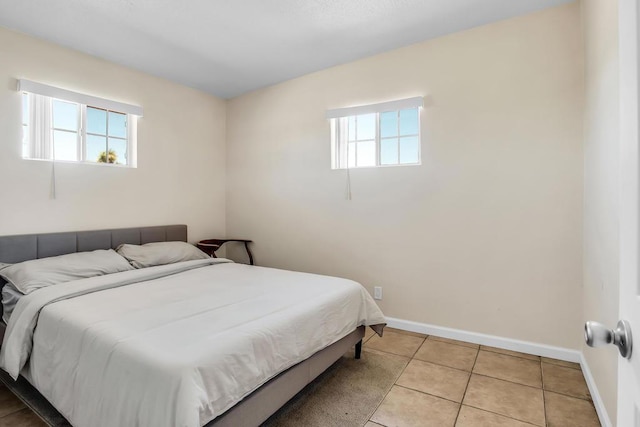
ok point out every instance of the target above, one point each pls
(340, 140)
(40, 145)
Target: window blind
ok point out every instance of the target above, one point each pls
(80, 98)
(400, 104)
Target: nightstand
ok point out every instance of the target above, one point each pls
(210, 246)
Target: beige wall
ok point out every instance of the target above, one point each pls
(181, 150)
(485, 235)
(601, 143)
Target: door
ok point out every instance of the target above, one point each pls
(629, 369)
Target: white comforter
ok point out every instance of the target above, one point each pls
(175, 345)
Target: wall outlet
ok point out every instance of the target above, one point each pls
(377, 292)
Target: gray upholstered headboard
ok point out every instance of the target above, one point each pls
(32, 246)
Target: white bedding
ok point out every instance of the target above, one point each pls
(179, 349)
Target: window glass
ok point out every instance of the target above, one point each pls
(96, 121)
(65, 115)
(352, 128)
(409, 150)
(389, 124)
(96, 146)
(389, 151)
(74, 132)
(117, 124)
(366, 127)
(118, 150)
(377, 139)
(351, 154)
(65, 145)
(366, 153)
(409, 122)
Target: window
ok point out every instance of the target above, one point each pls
(385, 134)
(62, 125)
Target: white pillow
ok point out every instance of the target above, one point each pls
(34, 274)
(160, 253)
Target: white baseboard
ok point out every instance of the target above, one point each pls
(490, 340)
(605, 421)
(544, 350)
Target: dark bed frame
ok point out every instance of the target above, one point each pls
(253, 409)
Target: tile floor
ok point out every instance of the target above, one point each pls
(450, 383)
(14, 413)
(455, 383)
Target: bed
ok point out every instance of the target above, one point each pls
(202, 342)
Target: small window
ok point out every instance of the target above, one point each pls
(65, 129)
(383, 135)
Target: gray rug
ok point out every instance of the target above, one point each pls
(345, 395)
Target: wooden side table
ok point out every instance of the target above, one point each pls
(210, 246)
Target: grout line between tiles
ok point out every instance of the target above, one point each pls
(408, 333)
(28, 408)
(489, 349)
(440, 364)
(544, 403)
(467, 387)
(26, 404)
(403, 355)
(13, 412)
(479, 349)
(501, 415)
(542, 363)
(419, 347)
(544, 397)
(390, 388)
(569, 395)
(507, 381)
(428, 394)
(578, 368)
(476, 346)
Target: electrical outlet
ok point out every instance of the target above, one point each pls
(377, 292)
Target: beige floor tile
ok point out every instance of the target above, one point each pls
(450, 341)
(393, 342)
(408, 408)
(384, 353)
(437, 380)
(9, 402)
(561, 363)
(516, 401)
(472, 417)
(22, 418)
(402, 331)
(510, 353)
(509, 368)
(564, 380)
(368, 333)
(443, 353)
(372, 424)
(565, 411)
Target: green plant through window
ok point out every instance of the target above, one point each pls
(111, 158)
(106, 133)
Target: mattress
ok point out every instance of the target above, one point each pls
(175, 345)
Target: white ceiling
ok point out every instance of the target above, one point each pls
(229, 47)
